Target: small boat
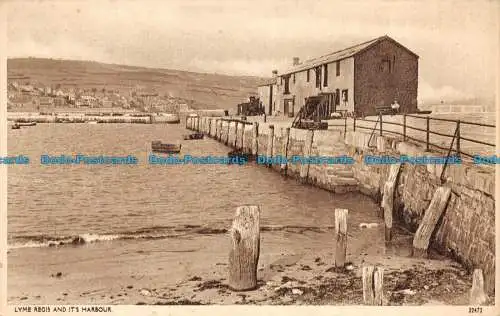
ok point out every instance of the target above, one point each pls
(424, 112)
(240, 154)
(193, 136)
(158, 146)
(26, 124)
(15, 126)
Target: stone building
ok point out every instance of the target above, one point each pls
(354, 80)
(267, 94)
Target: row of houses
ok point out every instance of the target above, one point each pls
(355, 80)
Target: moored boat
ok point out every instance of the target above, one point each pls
(15, 126)
(158, 146)
(239, 154)
(26, 124)
(193, 136)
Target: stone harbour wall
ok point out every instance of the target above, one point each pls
(466, 230)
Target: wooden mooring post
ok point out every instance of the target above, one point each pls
(242, 139)
(270, 143)
(236, 134)
(340, 237)
(373, 284)
(255, 139)
(220, 130)
(388, 199)
(245, 248)
(228, 129)
(477, 294)
(284, 149)
(304, 167)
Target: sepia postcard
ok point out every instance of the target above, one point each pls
(239, 157)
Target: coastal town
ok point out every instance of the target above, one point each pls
(26, 96)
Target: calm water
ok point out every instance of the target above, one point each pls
(56, 203)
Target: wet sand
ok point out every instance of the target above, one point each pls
(295, 267)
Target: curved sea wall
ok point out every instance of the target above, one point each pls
(466, 229)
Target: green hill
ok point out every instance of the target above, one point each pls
(207, 90)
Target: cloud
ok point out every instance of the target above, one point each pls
(254, 37)
(429, 94)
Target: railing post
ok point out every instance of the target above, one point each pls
(427, 134)
(354, 124)
(458, 138)
(404, 127)
(380, 119)
(345, 126)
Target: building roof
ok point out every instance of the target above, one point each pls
(341, 54)
(268, 82)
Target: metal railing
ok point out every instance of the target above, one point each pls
(458, 124)
(341, 125)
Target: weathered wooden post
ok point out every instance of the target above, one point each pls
(236, 134)
(368, 295)
(304, 167)
(284, 149)
(245, 248)
(228, 129)
(216, 128)
(209, 127)
(255, 138)
(270, 143)
(221, 129)
(340, 236)
(219, 133)
(388, 199)
(378, 286)
(431, 217)
(373, 284)
(477, 294)
(243, 128)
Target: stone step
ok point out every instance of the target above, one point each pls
(340, 189)
(345, 173)
(337, 180)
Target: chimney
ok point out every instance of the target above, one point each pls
(275, 73)
(296, 61)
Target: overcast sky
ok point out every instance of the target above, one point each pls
(457, 41)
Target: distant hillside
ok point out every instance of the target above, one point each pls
(207, 90)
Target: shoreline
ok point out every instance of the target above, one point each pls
(296, 268)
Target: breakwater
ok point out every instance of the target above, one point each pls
(137, 118)
(465, 228)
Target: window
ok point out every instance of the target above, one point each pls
(287, 85)
(345, 96)
(337, 66)
(307, 75)
(387, 65)
(318, 77)
(325, 75)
